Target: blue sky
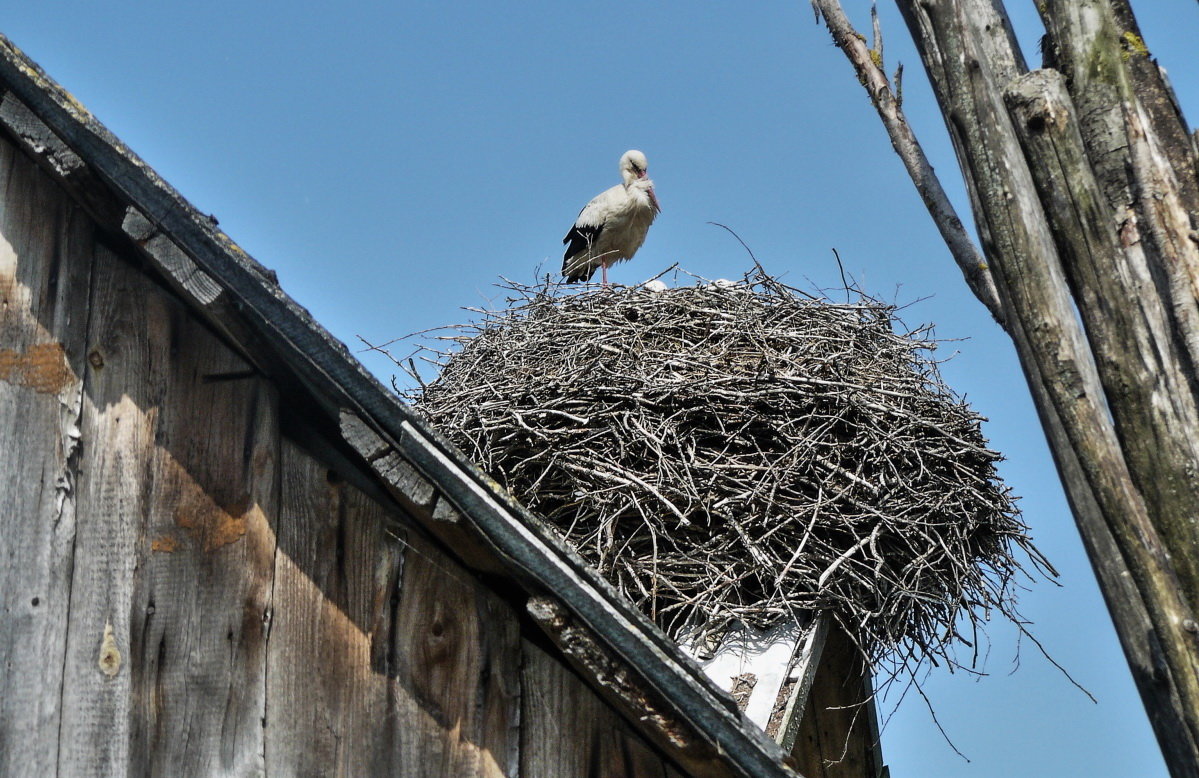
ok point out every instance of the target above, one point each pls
(391, 161)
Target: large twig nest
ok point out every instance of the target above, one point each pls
(734, 452)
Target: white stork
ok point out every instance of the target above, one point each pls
(612, 227)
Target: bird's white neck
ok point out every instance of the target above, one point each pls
(642, 189)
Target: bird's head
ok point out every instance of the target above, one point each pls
(633, 166)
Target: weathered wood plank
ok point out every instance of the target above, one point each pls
(385, 656)
(57, 159)
(569, 730)
(452, 653)
(837, 736)
(418, 495)
(188, 279)
(618, 686)
(211, 563)
(45, 264)
(803, 676)
(335, 572)
(166, 645)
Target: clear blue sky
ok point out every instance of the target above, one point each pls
(390, 161)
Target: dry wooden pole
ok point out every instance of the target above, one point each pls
(952, 26)
(1122, 335)
(1122, 237)
(1127, 323)
(1149, 281)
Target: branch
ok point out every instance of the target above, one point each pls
(868, 64)
(967, 64)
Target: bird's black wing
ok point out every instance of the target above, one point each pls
(580, 238)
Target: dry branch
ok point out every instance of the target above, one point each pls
(1130, 484)
(868, 63)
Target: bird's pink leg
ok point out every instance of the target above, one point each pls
(604, 267)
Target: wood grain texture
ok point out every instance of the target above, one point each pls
(1139, 281)
(569, 730)
(56, 158)
(1143, 373)
(1110, 504)
(173, 550)
(1152, 88)
(385, 656)
(45, 264)
(335, 571)
(453, 656)
(838, 735)
(617, 686)
(418, 495)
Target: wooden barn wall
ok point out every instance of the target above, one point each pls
(186, 591)
(838, 734)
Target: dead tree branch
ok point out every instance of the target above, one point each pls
(1093, 208)
(869, 66)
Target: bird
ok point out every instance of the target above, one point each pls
(613, 225)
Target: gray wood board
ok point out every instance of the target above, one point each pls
(386, 657)
(165, 648)
(569, 730)
(45, 262)
(334, 575)
(838, 734)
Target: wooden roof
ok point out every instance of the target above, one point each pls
(616, 648)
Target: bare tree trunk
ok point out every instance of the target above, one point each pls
(1089, 209)
(1138, 294)
(1121, 335)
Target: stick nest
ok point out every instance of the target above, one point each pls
(736, 452)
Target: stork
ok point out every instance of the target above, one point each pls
(612, 226)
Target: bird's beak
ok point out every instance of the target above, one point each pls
(642, 173)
